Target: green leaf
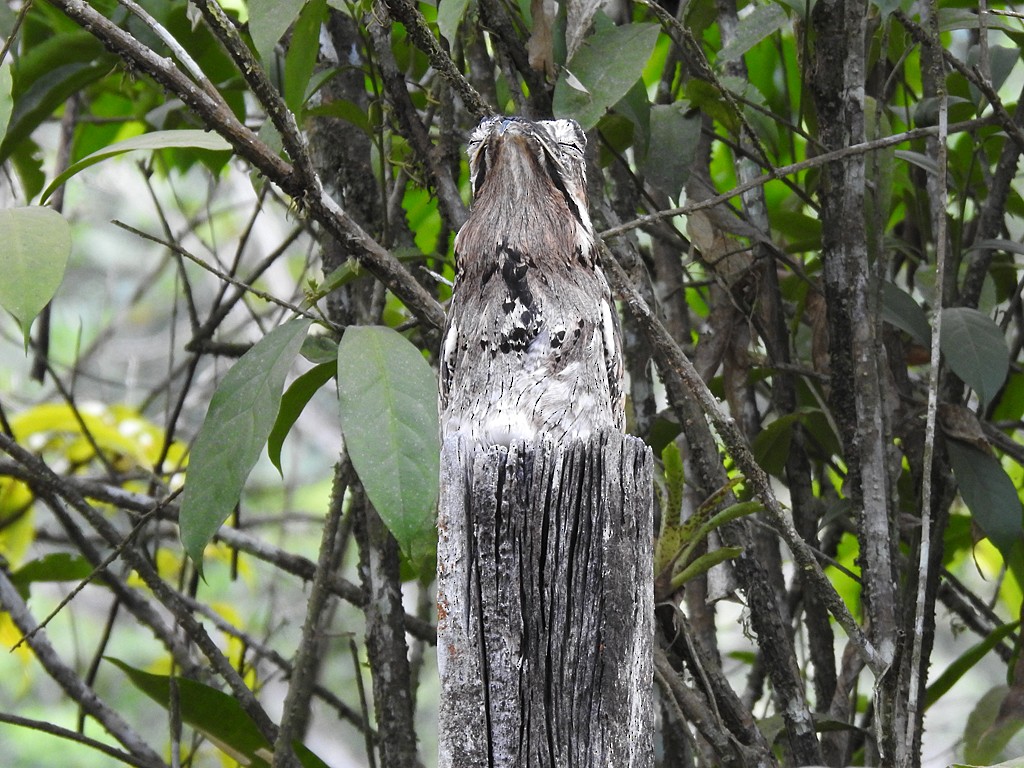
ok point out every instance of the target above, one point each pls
(36, 245)
(975, 349)
(292, 404)
(241, 415)
(449, 16)
(302, 53)
(607, 65)
(900, 310)
(388, 398)
(670, 543)
(57, 566)
(191, 138)
(988, 492)
(268, 21)
(46, 76)
(320, 349)
(1010, 246)
(771, 445)
(215, 714)
(923, 162)
(675, 480)
(672, 147)
(986, 735)
(965, 662)
(763, 21)
(6, 102)
(705, 563)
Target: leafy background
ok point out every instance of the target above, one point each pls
(203, 277)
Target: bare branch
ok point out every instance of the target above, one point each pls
(671, 357)
(15, 606)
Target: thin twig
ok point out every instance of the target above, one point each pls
(175, 47)
(79, 738)
(923, 37)
(300, 686)
(416, 28)
(296, 182)
(669, 355)
(288, 562)
(47, 479)
(12, 602)
(97, 570)
(787, 170)
(928, 459)
(220, 274)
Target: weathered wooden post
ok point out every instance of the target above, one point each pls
(545, 604)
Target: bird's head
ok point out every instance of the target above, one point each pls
(523, 163)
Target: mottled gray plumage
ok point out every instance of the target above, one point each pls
(532, 345)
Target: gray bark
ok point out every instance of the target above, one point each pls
(545, 604)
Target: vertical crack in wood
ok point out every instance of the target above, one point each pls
(547, 552)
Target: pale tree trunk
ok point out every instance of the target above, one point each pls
(545, 604)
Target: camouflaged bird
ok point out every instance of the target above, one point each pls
(532, 345)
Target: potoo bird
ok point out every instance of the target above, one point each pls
(532, 346)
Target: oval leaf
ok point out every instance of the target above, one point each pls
(388, 398)
(606, 66)
(988, 492)
(975, 349)
(194, 139)
(238, 422)
(302, 53)
(36, 245)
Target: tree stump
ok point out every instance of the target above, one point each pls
(545, 604)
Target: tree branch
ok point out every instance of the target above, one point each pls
(300, 182)
(15, 606)
(670, 357)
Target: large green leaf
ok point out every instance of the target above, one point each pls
(190, 138)
(975, 349)
(36, 243)
(388, 398)
(988, 492)
(772, 444)
(216, 715)
(602, 72)
(238, 422)
(56, 566)
(986, 734)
